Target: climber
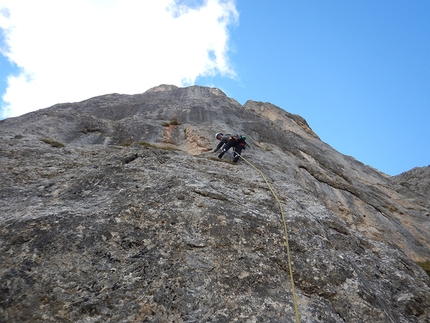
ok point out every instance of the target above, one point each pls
(222, 140)
(237, 141)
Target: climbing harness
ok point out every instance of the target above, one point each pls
(287, 246)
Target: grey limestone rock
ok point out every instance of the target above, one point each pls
(415, 184)
(115, 209)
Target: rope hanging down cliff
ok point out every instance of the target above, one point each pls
(287, 246)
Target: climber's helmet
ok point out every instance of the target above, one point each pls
(218, 134)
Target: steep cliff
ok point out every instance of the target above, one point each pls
(415, 184)
(115, 209)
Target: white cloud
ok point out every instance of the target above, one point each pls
(73, 50)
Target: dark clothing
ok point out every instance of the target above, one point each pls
(237, 151)
(238, 143)
(223, 141)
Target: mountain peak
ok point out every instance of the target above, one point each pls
(116, 209)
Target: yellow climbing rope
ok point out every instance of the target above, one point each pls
(287, 246)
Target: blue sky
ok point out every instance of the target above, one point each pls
(357, 71)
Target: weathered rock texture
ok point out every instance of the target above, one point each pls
(415, 184)
(114, 210)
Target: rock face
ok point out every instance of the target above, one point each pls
(114, 209)
(415, 184)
